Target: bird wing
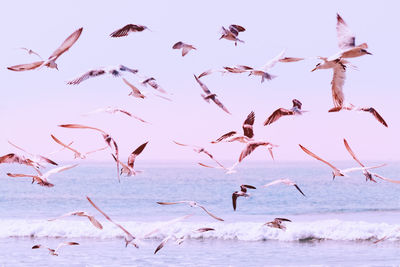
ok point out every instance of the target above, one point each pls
(40, 156)
(282, 220)
(156, 86)
(247, 150)
(223, 137)
(185, 50)
(64, 215)
(80, 126)
(279, 181)
(346, 38)
(211, 157)
(339, 76)
(361, 168)
(290, 59)
(249, 186)
(29, 66)
(95, 222)
(376, 115)
(124, 31)
(86, 75)
(352, 153)
(124, 112)
(17, 147)
(318, 158)
(386, 179)
(162, 244)
(248, 125)
(12, 158)
(172, 203)
(298, 188)
(21, 175)
(180, 144)
(135, 92)
(209, 213)
(273, 61)
(207, 166)
(135, 153)
(277, 114)
(219, 104)
(234, 198)
(65, 244)
(178, 45)
(202, 85)
(57, 170)
(236, 28)
(64, 145)
(66, 44)
(96, 150)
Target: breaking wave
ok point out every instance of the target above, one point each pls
(244, 231)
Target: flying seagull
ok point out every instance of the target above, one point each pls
(371, 110)
(286, 182)
(54, 251)
(295, 110)
(91, 218)
(232, 33)
(114, 110)
(210, 95)
(115, 71)
(127, 29)
(247, 127)
(185, 47)
(77, 154)
(241, 193)
(192, 204)
(278, 223)
(128, 168)
(51, 61)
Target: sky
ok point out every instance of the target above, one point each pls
(35, 102)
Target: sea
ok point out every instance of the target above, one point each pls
(337, 223)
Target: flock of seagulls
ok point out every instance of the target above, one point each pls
(337, 62)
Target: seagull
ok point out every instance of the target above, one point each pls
(128, 168)
(54, 251)
(113, 110)
(286, 182)
(115, 71)
(278, 223)
(37, 159)
(241, 193)
(42, 180)
(252, 145)
(232, 33)
(91, 218)
(51, 61)
(211, 96)
(346, 42)
(77, 154)
(14, 158)
(185, 47)
(129, 237)
(107, 138)
(247, 129)
(336, 171)
(135, 91)
(264, 70)
(152, 82)
(201, 150)
(182, 238)
(30, 52)
(127, 29)
(295, 110)
(352, 107)
(192, 204)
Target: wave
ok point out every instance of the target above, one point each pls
(244, 231)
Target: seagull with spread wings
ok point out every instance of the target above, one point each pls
(252, 145)
(241, 193)
(232, 33)
(114, 110)
(351, 107)
(210, 95)
(280, 112)
(192, 204)
(54, 251)
(114, 71)
(185, 47)
(127, 29)
(77, 154)
(51, 61)
(278, 223)
(336, 171)
(129, 237)
(248, 132)
(128, 168)
(91, 218)
(42, 180)
(286, 182)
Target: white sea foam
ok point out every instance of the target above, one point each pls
(244, 231)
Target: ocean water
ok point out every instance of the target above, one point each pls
(335, 224)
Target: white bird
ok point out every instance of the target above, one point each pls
(43, 179)
(135, 91)
(30, 52)
(54, 251)
(336, 171)
(286, 182)
(115, 71)
(232, 33)
(185, 47)
(128, 168)
(152, 82)
(77, 154)
(278, 223)
(192, 204)
(91, 218)
(129, 237)
(247, 127)
(241, 193)
(295, 110)
(114, 110)
(252, 145)
(51, 61)
(127, 29)
(351, 107)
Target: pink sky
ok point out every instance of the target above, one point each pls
(35, 102)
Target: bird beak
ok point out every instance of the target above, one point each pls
(313, 69)
(369, 53)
